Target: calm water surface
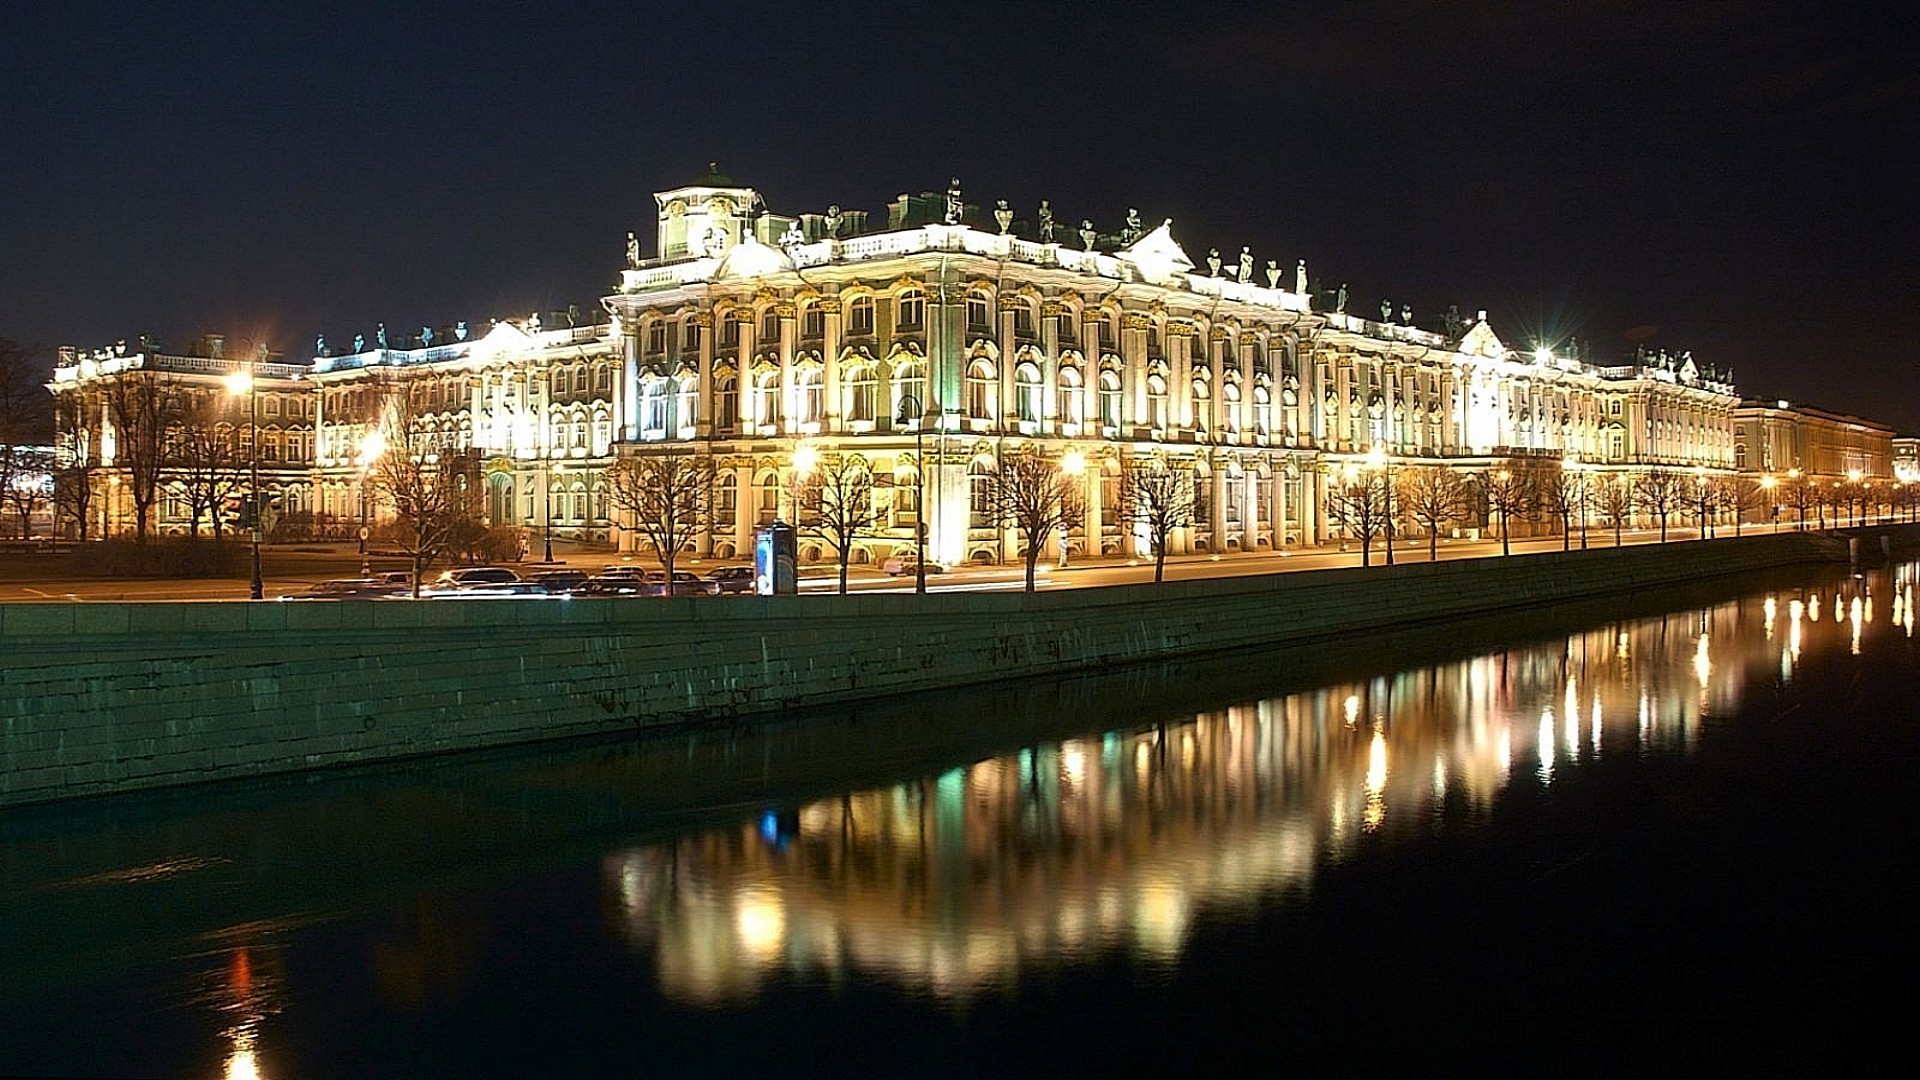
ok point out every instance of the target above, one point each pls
(1664, 834)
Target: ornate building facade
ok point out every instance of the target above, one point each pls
(936, 345)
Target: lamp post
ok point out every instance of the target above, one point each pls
(1377, 459)
(238, 383)
(912, 409)
(1767, 484)
(1799, 498)
(1073, 464)
(371, 447)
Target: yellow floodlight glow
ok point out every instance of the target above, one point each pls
(1074, 463)
(804, 458)
(238, 383)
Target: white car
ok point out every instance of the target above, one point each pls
(896, 565)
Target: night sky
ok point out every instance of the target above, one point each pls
(1725, 178)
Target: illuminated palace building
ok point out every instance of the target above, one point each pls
(933, 344)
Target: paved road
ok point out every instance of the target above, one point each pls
(47, 578)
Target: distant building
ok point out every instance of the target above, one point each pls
(1777, 437)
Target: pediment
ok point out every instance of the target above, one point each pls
(1482, 341)
(1157, 255)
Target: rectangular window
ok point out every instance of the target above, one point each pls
(1023, 321)
(769, 329)
(729, 331)
(860, 318)
(813, 322)
(690, 336)
(1069, 331)
(657, 338)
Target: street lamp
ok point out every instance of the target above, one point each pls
(1799, 498)
(911, 409)
(1073, 463)
(1582, 479)
(1767, 484)
(1377, 459)
(243, 382)
(371, 447)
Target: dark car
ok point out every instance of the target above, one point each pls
(466, 577)
(563, 581)
(348, 589)
(732, 578)
(618, 581)
(685, 583)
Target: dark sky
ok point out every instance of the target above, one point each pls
(1731, 178)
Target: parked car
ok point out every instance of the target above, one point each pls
(396, 577)
(618, 581)
(728, 579)
(466, 577)
(685, 583)
(564, 582)
(896, 565)
(348, 589)
(498, 590)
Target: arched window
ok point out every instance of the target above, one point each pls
(1109, 399)
(653, 408)
(766, 397)
(980, 387)
(1156, 402)
(602, 432)
(1230, 408)
(910, 310)
(1202, 405)
(1026, 393)
(726, 401)
(980, 495)
(1262, 410)
(861, 388)
(686, 405)
(910, 381)
(810, 394)
(1072, 397)
(726, 496)
(769, 488)
(860, 317)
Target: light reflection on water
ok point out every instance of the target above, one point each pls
(1115, 841)
(956, 884)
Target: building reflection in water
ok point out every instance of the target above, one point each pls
(952, 884)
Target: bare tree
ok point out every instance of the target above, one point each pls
(209, 461)
(73, 496)
(1509, 491)
(1038, 499)
(1561, 492)
(1803, 495)
(667, 496)
(25, 422)
(31, 487)
(1703, 500)
(143, 407)
(1615, 499)
(1156, 500)
(1434, 498)
(1357, 501)
(431, 490)
(1660, 492)
(834, 502)
(1738, 494)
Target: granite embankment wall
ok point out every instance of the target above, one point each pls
(105, 697)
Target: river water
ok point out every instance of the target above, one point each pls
(1664, 833)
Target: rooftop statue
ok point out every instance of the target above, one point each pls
(1213, 261)
(633, 252)
(460, 330)
(381, 335)
(1087, 233)
(1300, 277)
(1003, 216)
(1246, 264)
(955, 205)
(792, 238)
(1046, 222)
(426, 336)
(1133, 230)
(1340, 299)
(1273, 273)
(1386, 311)
(319, 345)
(834, 219)
(1406, 314)
(359, 344)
